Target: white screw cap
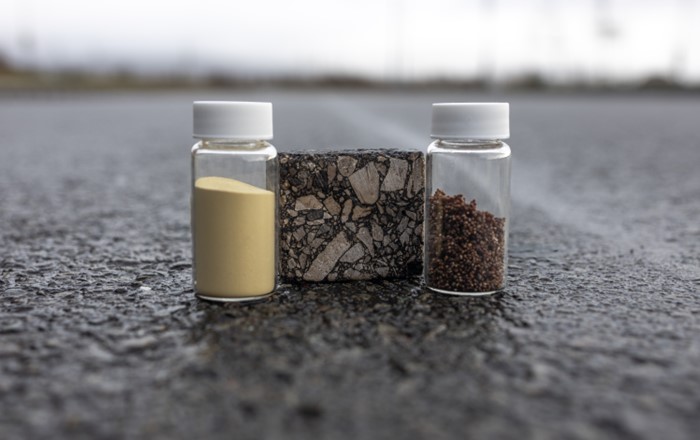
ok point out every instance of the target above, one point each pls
(471, 120)
(232, 120)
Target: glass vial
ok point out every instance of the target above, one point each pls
(234, 201)
(467, 205)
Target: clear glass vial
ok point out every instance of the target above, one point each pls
(234, 201)
(467, 206)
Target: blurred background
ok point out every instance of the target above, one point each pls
(483, 44)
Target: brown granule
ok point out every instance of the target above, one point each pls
(466, 246)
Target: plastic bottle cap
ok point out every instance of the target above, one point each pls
(232, 120)
(471, 120)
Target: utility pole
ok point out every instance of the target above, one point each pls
(606, 32)
(485, 64)
(679, 59)
(26, 37)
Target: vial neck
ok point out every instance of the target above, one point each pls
(469, 143)
(233, 144)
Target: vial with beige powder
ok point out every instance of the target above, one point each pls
(234, 209)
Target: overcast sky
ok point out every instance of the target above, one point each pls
(383, 39)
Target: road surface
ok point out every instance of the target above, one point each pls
(597, 335)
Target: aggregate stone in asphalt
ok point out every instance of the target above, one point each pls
(597, 335)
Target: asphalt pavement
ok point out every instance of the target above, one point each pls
(597, 335)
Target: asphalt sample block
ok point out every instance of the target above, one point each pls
(351, 214)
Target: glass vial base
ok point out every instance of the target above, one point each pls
(450, 292)
(229, 299)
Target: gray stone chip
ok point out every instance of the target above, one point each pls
(365, 183)
(325, 261)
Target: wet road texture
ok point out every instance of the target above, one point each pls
(597, 335)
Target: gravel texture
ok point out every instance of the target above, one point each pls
(597, 335)
(465, 246)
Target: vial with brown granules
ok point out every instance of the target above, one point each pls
(467, 199)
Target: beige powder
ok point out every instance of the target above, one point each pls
(234, 238)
